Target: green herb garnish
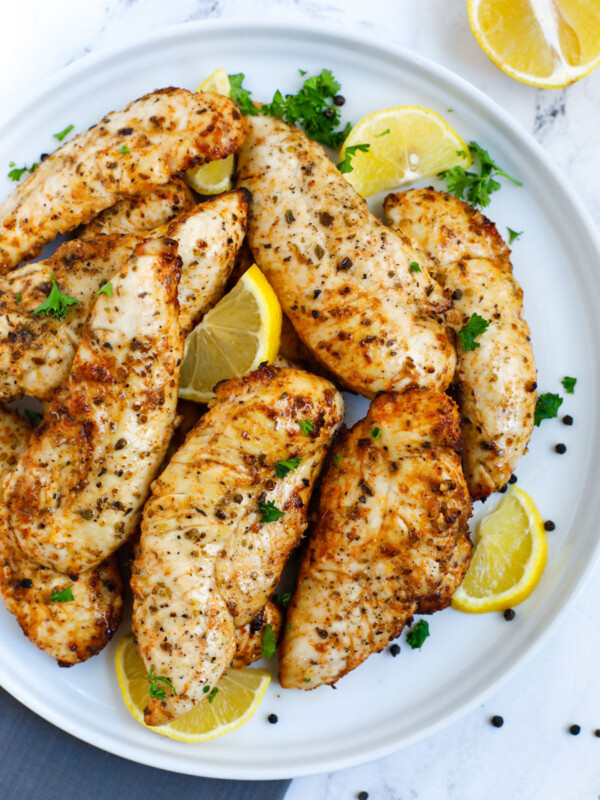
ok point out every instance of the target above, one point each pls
(56, 303)
(513, 235)
(241, 96)
(287, 465)
(106, 289)
(268, 643)
(269, 511)
(18, 297)
(33, 417)
(156, 691)
(414, 267)
(475, 187)
(17, 173)
(60, 136)
(214, 692)
(546, 407)
(306, 425)
(383, 133)
(375, 432)
(474, 328)
(417, 635)
(336, 459)
(345, 164)
(124, 149)
(569, 384)
(63, 596)
(285, 598)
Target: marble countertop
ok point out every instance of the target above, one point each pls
(533, 756)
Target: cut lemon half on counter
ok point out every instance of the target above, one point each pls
(404, 144)
(215, 177)
(547, 43)
(239, 695)
(508, 559)
(239, 333)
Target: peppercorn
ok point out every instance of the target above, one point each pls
(567, 420)
(597, 733)
(575, 730)
(395, 649)
(549, 525)
(272, 718)
(503, 489)
(328, 113)
(561, 448)
(512, 479)
(339, 100)
(121, 443)
(363, 796)
(510, 614)
(456, 294)
(497, 721)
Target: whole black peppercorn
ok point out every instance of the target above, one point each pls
(561, 448)
(575, 730)
(567, 420)
(503, 489)
(363, 796)
(339, 100)
(395, 649)
(328, 113)
(121, 443)
(512, 479)
(456, 294)
(549, 525)
(497, 721)
(272, 718)
(509, 614)
(597, 733)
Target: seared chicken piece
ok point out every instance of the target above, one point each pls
(343, 278)
(129, 152)
(393, 505)
(248, 639)
(142, 212)
(78, 490)
(211, 552)
(70, 631)
(496, 382)
(36, 352)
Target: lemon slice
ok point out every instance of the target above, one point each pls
(547, 43)
(509, 557)
(239, 695)
(405, 143)
(237, 335)
(215, 177)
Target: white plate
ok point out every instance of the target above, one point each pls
(388, 702)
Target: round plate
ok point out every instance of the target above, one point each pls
(388, 702)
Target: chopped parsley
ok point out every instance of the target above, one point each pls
(336, 459)
(474, 328)
(287, 465)
(307, 680)
(213, 693)
(474, 187)
(156, 691)
(33, 417)
(414, 267)
(268, 643)
(417, 635)
(513, 235)
(63, 596)
(60, 136)
(345, 164)
(17, 173)
(546, 407)
(306, 425)
(383, 133)
(56, 303)
(106, 289)
(285, 598)
(375, 432)
(18, 297)
(124, 149)
(269, 511)
(569, 384)
(309, 107)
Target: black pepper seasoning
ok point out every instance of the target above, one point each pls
(549, 525)
(272, 718)
(339, 100)
(456, 294)
(509, 614)
(561, 448)
(512, 479)
(497, 721)
(328, 113)
(575, 730)
(503, 489)
(597, 733)
(363, 796)
(395, 650)
(567, 420)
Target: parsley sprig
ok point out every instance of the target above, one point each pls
(306, 425)
(474, 187)
(156, 691)
(56, 303)
(16, 173)
(60, 136)
(268, 642)
(345, 164)
(309, 108)
(546, 407)
(287, 465)
(269, 512)
(474, 328)
(417, 635)
(569, 384)
(63, 596)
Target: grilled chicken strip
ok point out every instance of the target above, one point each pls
(129, 152)
(78, 490)
(36, 351)
(391, 512)
(141, 212)
(343, 278)
(210, 557)
(496, 382)
(70, 631)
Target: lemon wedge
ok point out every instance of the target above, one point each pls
(239, 695)
(509, 557)
(405, 143)
(547, 43)
(214, 177)
(239, 333)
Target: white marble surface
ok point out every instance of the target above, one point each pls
(532, 757)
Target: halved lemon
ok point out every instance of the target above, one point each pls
(405, 143)
(215, 177)
(239, 695)
(509, 557)
(237, 335)
(547, 43)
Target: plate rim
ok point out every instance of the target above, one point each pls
(469, 93)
